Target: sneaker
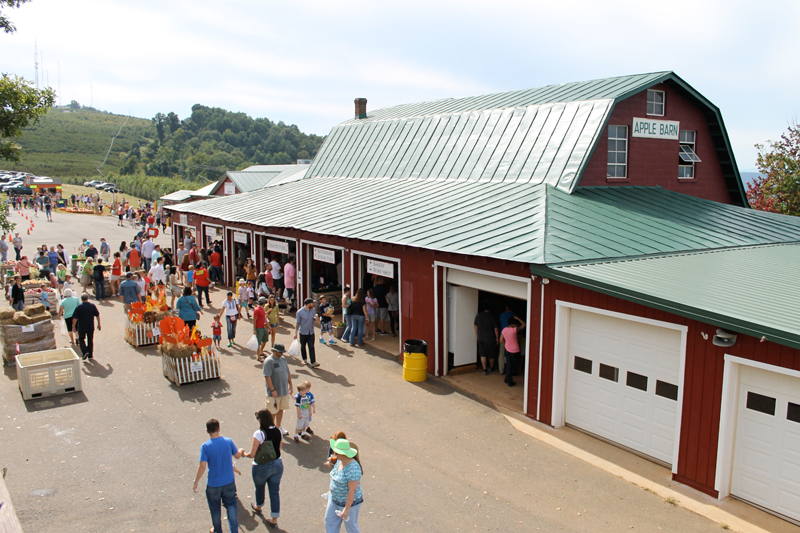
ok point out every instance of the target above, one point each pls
(485, 372)
(229, 344)
(283, 431)
(305, 437)
(296, 438)
(321, 341)
(308, 430)
(384, 333)
(315, 365)
(331, 342)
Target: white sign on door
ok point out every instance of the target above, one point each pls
(184, 219)
(324, 255)
(656, 129)
(380, 268)
(230, 188)
(278, 246)
(238, 236)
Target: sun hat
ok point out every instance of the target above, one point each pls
(342, 447)
(279, 348)
(68, 293)
(241, 282)
(87, 242)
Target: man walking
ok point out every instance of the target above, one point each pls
(487, 332)
(215, 455)
(17, 242)
(129, 290)
(215, 259)
(105, 249)
(260, 327)
(157, 274)
(279, 384)
(305, 328)
(201, 283)
(83, 324)
(147, 252)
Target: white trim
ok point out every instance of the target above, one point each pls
(281, 237)
(175, 234)
(561, 363)
(224, 243)
(436, 321)
(729, 414)
(541, 345)
(445, 323)
(399, 286)
(663, 103)
(528, 351)
(322, 245)
(526, 281)
(301, 263)
(232, 248)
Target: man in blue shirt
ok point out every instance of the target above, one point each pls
(130, 291)
(505, 316)
(215, 454)
(305, 327)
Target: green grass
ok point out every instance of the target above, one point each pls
(70, 142)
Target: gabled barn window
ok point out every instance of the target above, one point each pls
(687, 155)
(655, 102)
(617, 152)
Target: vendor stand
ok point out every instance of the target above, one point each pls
(187, 357)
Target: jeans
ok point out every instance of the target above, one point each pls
(348, 325)
(5, 255)
(231, 327)
(200, 292)
(18, 251)
(269, 474)
(215, 274)
(99, 289)
(19, 306)
(307, 340)
(356, 329)
(146, 261)
(218, 496)
(511, 363)
(333, 524)
(86, 343)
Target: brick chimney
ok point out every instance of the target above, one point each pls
(361, 107)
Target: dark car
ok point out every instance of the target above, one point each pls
(21, 189)
(113, 190)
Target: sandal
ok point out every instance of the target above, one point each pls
(261, 358)
(256, 509)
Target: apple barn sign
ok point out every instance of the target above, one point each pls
(656, 129)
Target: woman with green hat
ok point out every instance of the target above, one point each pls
(345, 497)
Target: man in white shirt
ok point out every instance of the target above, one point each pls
(147, 251)
(157, 273)
(277, 278)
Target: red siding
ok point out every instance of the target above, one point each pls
(655, 161)
(702, 388)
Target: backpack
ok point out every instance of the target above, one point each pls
(266, 452)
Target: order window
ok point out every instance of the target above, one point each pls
(655, 102)
(617, 152)
(687, 155)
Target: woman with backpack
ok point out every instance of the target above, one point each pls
(267, 465)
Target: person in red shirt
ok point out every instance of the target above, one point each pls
(260, 327)
(201, 283)
(134, 259)
(193, 256)
(216, 331)
(116, 273)
(216, 267)
(269, 280)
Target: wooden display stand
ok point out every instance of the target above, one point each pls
(141, 333)
(198, 367)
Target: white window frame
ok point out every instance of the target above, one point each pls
(627, 145)
(684, 164)
(663, 103)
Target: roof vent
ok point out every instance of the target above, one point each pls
(361, 107)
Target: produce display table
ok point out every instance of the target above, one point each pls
(196, 367)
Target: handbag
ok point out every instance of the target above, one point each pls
(266, 452)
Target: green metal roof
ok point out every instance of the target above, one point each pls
(177, 196)
(260, 176)
(752, 290)
(512, 221)
(539, 136)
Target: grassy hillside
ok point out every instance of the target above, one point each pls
(68, 142)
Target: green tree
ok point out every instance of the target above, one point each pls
(778, 189)
(21, 105)
(160, 121)
(74, 104)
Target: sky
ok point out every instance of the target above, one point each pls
(305, 62)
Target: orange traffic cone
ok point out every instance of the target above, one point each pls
(29, 232)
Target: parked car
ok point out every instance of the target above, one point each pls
(113, 190)
(108, 186)
(10, 184)
(101, 184)
(19, 189)
(91, 183)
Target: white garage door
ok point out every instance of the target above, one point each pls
(622, 382)
(766, 457)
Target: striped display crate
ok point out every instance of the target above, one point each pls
(141, 334)
(182, 370)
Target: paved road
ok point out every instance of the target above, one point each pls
(121, 455)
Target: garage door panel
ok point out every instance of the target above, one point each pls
(759, 432)
(790, 473)
(627, 360)
(791, 444)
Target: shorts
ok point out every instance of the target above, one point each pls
(275, 325)
(303, 422)
(383, 313)
(326, 327)
(112, 277)
(262, 334)
(68, 321)
(487, 349)
(86, 279)
(284, 403)
(217, 338)
(278, 283)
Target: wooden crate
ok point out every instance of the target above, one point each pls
(182, 370)
(48, 373)
(136, 333)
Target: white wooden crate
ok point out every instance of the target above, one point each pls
(182, 370)
(48, 373)
(136, 333)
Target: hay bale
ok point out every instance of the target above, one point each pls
(6, 314)
(178, 351)
(149, 317)
(7, 321)
(36, 309)
(22, 319)
(41, 317)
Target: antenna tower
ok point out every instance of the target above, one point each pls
(36, 63)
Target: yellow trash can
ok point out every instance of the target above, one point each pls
(415, 360)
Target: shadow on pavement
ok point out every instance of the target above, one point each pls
(52, 402)
(311, 454)
(326, 376)
(202, 392)
(93, 368)
(246, 518)
(10, 372)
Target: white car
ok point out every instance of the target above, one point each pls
(13, 183)
(91, 183)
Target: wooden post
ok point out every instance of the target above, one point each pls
(9, 523)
